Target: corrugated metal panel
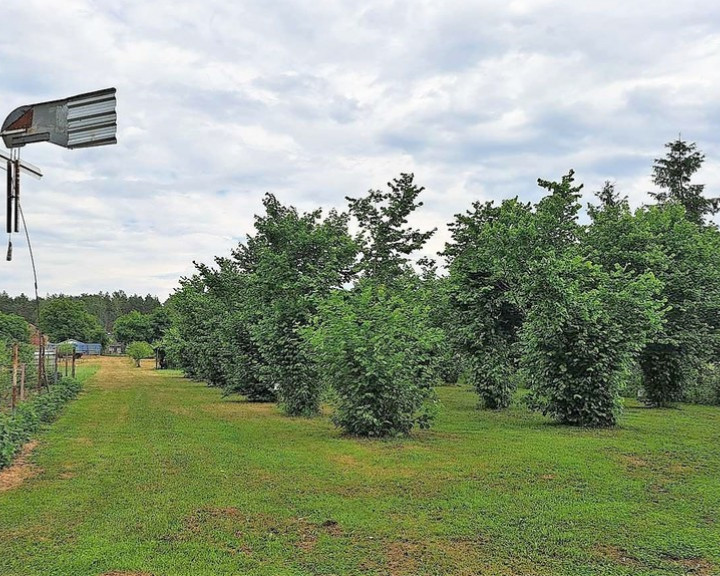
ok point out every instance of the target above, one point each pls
(91, 109)
(91, 119)
(78, 122)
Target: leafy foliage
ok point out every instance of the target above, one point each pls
(14, 328)
(376, 348)
(133, 327)
(487, 259)
(139, 351)
(17, 427)
(238, 326)
(582, 336)
(685, 259)
(385, 241)
(291, 263)
(106, 307)
(673, 174)
(63, 318)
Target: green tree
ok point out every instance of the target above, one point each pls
(138, 351)
(376, 349)
(160, 321)
(289, 265)
(673, 174)
(14, 328)
(134, 326)
(691, 280)
(62, 318)
(581, 337)
(488, 259)
(385, 240)
(194, 336)
(685, 258)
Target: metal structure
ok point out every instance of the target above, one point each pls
(80, 121)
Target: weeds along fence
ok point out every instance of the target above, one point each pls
(27, 370)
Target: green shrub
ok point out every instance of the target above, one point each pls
(579, 343)
(375, 348)
(704, 386)
(138, 351)
(16, 428)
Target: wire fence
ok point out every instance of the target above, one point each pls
(27, 370)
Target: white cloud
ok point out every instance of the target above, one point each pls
(220, 102)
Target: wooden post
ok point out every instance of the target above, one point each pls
(16, 352)
(56, 373)
(22, 382)
(66, 364)
(73, 362)
(41, 359)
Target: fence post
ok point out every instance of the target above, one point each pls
(16, 351)
(73, 363)
(55, 377)
(22, 382)
(41, 359)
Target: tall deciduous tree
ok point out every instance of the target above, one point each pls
(385, 239)
(293, 261)
(685, 258)
(376, 342)
(62, 318)
(133, 327)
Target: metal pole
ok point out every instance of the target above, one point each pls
(17, 192)
(9, 210)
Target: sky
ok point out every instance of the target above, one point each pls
(220, 102)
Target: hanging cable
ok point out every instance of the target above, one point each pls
(32, 259)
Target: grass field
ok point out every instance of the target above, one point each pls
(149, 473)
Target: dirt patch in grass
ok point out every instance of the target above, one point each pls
(404, 558)
(115, 573)
(618, 556)
(634, 462)
(237, 409)
(250, 530)
(695, 566)
(457, 556)
(22, 469)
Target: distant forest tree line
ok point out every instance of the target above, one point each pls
(88, 317)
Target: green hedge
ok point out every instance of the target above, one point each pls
(17, 428)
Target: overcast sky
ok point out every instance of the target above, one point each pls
(220, 101)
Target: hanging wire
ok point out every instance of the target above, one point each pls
(32, 258)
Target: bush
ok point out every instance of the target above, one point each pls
(704, 387)
(579, 344)
(16, 428)
(375, 349)
(139, 350)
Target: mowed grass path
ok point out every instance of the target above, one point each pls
(149, 473)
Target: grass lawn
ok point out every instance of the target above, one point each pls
(149, 473)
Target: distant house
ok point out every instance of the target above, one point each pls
(114, 349)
